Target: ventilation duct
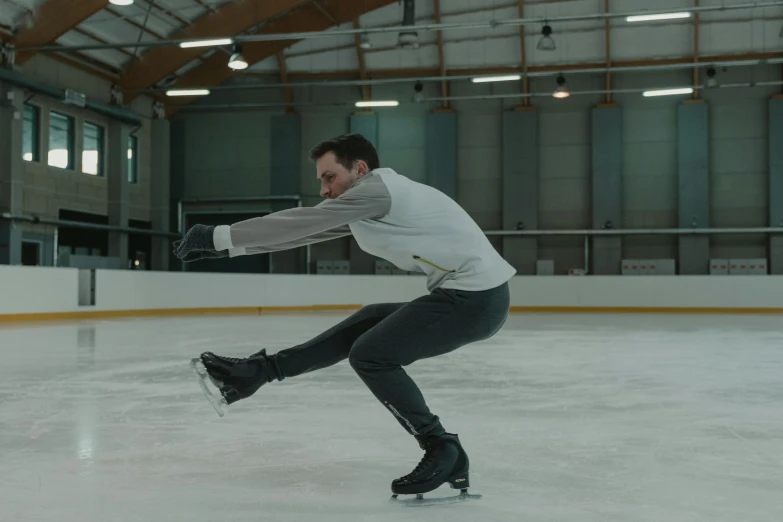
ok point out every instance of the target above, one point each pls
(23, 82)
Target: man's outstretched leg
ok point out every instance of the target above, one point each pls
(429, 326)
(239, 378)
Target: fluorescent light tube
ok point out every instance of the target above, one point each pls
(653, 17)
(378, 103)
(206, 43)
(668, 92)
(483, 79)
(187, 92)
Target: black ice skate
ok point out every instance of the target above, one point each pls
(444, 461)
(235, 378)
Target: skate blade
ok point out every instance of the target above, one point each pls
(420, 501)
(201, 372)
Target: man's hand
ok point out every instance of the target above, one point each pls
(198, 256)
(198, 239)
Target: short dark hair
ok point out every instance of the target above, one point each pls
(347, 149)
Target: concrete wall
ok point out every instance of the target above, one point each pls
(738, 155)
(49, 189)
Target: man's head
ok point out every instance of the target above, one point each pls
(340, 161)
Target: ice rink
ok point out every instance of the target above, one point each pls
(580, 418)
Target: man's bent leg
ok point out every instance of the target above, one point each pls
(333, 345)
(431, 325)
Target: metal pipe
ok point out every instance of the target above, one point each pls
(277, 105)
(402, 28)
(241, 199)
(457, 77)
(90, 226)
(21, 81)
(636, 232)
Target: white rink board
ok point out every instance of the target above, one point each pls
(26, 289)
(48, 290)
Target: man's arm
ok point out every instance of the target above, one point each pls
(315, 238)
(299, 226)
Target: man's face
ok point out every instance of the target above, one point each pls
(334, 177)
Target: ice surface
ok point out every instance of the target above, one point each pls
(565, 418)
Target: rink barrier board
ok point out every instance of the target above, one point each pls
(168, 312)
(260, 310)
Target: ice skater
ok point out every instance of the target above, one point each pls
(412, 225)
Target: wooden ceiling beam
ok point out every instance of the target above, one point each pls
(53, 19)
(215, 71)
(231, 19)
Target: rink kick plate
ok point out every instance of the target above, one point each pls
(201, 372)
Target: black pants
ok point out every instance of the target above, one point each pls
(380, 339)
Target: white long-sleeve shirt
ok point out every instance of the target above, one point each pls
(414, 226)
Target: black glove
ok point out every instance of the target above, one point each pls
(198, 239)
(198, 256)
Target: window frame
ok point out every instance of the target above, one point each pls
(101, 163)
(71, 140)
(133, 161)
(36, 133)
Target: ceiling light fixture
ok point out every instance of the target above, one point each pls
(484, 79)
(546, 43)
(237, 61)
(121, 2)
(654, 17)
(187, 92)
(206, 43)
(561, 91)
(668, 92)
(378, 103)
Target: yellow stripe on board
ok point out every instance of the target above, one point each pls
(641, 310)
(256, 310)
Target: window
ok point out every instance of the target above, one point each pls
(30, 133)
(92, 152)
(60, 140)
(133, 159)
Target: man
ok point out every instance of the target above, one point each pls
(414, 226)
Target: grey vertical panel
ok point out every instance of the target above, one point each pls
(776, 183)
(160, 169)
(442, 152)
(177, 157)
(367, 126)
(285, 179)
(286, 155)
(520, 164)
(11, 172)
(693, 152)
(117, 181)
(607, 187)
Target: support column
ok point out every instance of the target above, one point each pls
(365, 124)
(520, 187)
(693, 138)
(11, 172)
(607, 187)
(442, 152)
(177, 157)
(776, 183)
(117, 178)
(285, 163)
(160, 167)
